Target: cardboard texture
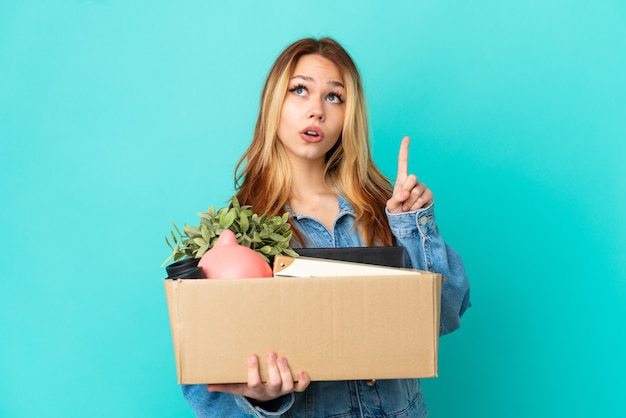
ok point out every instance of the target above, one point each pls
(378, 326)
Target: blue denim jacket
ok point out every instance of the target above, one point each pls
(425, 250)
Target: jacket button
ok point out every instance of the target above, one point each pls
(371, 383)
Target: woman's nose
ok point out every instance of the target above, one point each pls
(316, 111)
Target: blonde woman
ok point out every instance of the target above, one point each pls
(310, 156)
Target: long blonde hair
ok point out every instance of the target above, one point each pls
(263, 176)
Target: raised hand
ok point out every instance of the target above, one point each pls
(408, 193)
(279, 382)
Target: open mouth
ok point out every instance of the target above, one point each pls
(312, 134)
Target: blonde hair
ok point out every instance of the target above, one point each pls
(263, 176)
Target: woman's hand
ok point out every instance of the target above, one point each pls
(408, 193)
(279, 382)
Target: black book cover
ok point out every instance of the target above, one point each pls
(380, 256)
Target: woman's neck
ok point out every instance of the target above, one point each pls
(307, 177)
(311, 195)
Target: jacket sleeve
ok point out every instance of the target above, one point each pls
(417, 232)
(207, 404)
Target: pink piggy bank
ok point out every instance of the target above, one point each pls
(230, 260)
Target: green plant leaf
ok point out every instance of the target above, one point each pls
(277, 237)
(204, 231)
(266, 249)
(202, 250)
(246, 240)
(192, 231)
(177, 230)
(235, 203)
(228, 219)
(173, 237)
(244, 223)
(199, 241)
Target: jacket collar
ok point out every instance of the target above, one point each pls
(344, 208)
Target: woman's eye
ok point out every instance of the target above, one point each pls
(298, 90)
(334, 98)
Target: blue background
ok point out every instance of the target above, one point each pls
(119, 117)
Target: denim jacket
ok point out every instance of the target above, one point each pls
(425, 250)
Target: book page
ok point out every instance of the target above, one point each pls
(317, 267)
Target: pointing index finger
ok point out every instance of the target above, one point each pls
(403, 159)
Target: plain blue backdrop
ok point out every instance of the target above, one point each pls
(119, 117)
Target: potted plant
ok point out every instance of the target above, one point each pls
(267, 235)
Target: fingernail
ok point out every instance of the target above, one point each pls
(282, 361)
(271, 356)
(252, 359)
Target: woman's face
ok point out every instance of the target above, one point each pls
(312, 115)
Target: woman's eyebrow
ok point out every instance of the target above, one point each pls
(334, 83)
(303, 77)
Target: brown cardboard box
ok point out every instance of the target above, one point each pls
(382, 324)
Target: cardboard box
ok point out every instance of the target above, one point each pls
(382, 324)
